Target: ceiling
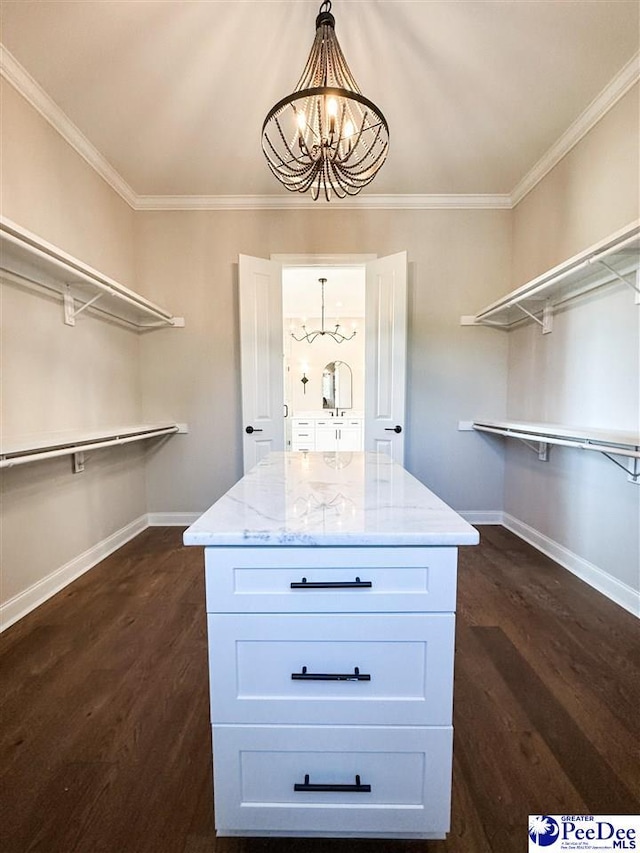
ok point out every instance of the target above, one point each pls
(172, 93)
(344, 292)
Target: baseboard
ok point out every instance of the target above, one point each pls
(172, 519)
(18, 606)
(619, 592)
(482, 516)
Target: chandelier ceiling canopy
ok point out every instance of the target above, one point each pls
(336, 334)
(325, 137)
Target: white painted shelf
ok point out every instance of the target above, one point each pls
(610, 443)
(615, 259)
(34, 448)
(28, 260)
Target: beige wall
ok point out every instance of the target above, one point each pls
(458, 260)
(592, 192)
(49, 189)
(55, 377)
(587, 371)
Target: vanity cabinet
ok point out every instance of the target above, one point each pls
(327, 434)
(331, 647)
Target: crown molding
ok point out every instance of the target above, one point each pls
(610, 95)
(298, 202)
(26, 86)
(31, 90)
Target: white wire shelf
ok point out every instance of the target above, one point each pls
(28, 260)
(35, 448)
(611, 443)
(615, 259)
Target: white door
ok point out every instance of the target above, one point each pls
(386, 355)
(261, 346)
(261, 354)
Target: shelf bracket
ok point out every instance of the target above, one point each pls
(633, 471)
(542, 449)
(78, 462)
(547, 316)
(634, 285)
(70, 310)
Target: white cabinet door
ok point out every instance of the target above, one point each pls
(326, 435)
(261, 351)
(350, 437)
(385, 355)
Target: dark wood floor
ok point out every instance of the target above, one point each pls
(104, 738)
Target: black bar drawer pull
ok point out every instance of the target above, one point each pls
(356, 584)
(358, 788)
(356, 675)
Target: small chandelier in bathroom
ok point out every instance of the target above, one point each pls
(326, 136)
(336, 334)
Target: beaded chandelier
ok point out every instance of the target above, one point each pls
(326, 136)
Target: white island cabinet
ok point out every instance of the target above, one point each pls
(330, 594)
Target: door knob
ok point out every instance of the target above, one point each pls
(251, 429)
(396, 428)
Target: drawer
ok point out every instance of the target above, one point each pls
(265, 780)
(357, 668)
(302, 433)
(331, 580)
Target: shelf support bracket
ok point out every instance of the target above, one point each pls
(70, 310)
(633, 471)
(547, 316)
(542, 449)
(634, 285)
(78, 462)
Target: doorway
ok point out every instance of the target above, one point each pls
(262, 356)
(323, 311)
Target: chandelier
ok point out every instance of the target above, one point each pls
(310, 337)
(326, 136)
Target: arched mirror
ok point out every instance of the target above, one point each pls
(337, 386)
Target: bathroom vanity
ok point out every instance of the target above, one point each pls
(330, 595)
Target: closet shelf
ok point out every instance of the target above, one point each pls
(615, 259)
(27, 260)
(610, 443)
(74, 443)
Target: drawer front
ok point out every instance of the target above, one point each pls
(359, 669)
(371, 780)
(302, 434)
(330, 580)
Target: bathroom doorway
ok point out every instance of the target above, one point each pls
(323, 311)
(262, 355)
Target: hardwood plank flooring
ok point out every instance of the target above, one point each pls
(104, 732)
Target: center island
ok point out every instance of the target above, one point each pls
(330, 594)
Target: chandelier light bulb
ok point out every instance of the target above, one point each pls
(326, 137)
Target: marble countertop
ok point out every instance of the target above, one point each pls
(319, 499)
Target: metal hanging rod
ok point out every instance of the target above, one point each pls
(35, 452)
(546, 437)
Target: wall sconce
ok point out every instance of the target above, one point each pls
(304, 381)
